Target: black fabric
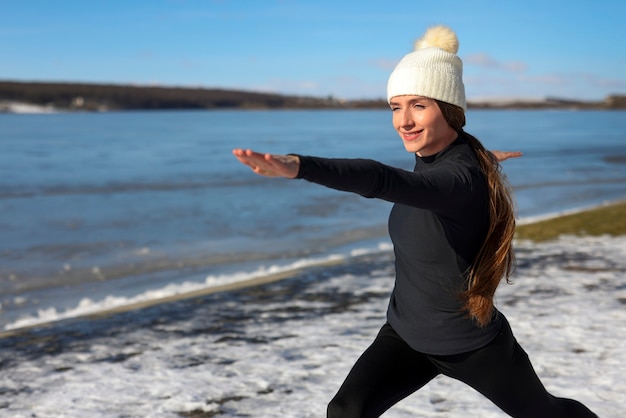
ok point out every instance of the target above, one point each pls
(390, 370)
(437, 226)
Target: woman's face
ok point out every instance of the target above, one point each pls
(421, 125)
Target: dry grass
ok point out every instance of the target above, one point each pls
(604, 220)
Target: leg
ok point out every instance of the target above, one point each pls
(387, 372)
(503, 373)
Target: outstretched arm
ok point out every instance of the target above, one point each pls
(270, 165)
(274, 165)
(505, 155)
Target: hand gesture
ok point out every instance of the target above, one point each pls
(270, 165)
(505, 155)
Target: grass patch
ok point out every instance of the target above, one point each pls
(605, 220)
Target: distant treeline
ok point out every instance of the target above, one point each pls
(103, 97)
(126, 97)
(612, 102)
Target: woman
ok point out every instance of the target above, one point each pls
(452, 227)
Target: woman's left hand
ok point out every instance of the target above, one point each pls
(505, 155)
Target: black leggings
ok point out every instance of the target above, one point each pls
(389, 371)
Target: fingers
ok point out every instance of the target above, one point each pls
(243, 157)
(511, 154)
(248, 156)
(505, 155)
(270, 165)
(263, 164)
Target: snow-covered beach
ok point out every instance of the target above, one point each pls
(282, 349)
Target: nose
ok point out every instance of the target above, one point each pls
(405, 120)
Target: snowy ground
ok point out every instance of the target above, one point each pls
(282, 350)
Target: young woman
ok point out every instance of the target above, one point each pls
(452, 227)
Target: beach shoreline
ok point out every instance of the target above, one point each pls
(229, 287)
(291, 272)
(282, 348)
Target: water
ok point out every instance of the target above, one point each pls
(99, 210)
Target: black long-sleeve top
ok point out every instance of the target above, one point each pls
(437, 225)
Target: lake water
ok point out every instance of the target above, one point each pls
(102, 209)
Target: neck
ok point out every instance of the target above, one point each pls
(445, 143)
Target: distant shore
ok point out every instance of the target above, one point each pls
(42, 97)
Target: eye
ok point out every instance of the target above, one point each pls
(419, 106)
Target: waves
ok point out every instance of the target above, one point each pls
(568, 183)
(116, 302)
(24, 192)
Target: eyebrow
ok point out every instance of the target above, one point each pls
(413, 100)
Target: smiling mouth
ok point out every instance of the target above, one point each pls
(411, 136)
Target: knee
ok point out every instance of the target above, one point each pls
(336, 409)
(340, 407)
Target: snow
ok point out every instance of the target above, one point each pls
(283, 349)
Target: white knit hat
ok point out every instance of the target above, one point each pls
(432, 70)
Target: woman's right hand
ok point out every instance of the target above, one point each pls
(270, 165)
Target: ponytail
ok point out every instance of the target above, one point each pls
(495, 259)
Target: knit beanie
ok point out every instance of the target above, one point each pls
(432, 70)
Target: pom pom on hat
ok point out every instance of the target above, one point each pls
(441, 37)
(432, 70)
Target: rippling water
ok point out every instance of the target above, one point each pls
(112, 205)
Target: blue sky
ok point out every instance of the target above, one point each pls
(510, 49)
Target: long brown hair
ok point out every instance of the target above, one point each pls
(495, 260)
